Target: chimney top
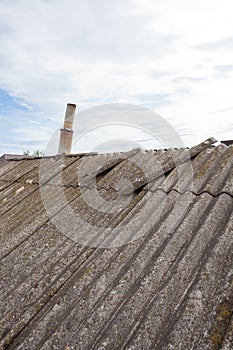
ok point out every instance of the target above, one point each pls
(66, 134)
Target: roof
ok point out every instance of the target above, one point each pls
(118, 251)
(12, 156)
(227, 142)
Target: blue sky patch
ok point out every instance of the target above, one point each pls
(9, 103)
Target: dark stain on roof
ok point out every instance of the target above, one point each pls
(169, 286)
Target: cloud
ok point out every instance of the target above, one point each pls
(225, 110)
(223, 71)
(222, 44)
(189, 79)
(161, 54)
(224, 68)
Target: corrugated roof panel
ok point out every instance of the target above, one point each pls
(94, 209)
(134, 266)
(228, 336)
(209, 171)
(21, 169)
(138, 170)
(210, 299)
(114, 320)
(3, 184)
(88, 170)
(2, 162)
(66, 176)
(182, 309)
(49, 246)
(9, 165)
(201, 168)
(46, 169)
(93, 166)
(98, 263)
(228, 187)
(64, 170)
(14, 193)
(21, 221)
(222, 174)
(132, 275)
(152, 165)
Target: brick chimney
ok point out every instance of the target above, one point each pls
(66, 134)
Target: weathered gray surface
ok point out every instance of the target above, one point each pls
(170, 287)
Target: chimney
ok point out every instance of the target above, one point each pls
(66, 134)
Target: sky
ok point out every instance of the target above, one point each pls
(173, 57)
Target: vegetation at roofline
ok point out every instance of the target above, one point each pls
(36, 153)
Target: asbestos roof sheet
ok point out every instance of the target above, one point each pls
(128, 250)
